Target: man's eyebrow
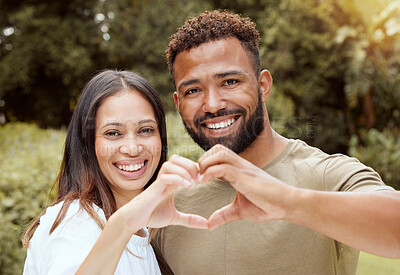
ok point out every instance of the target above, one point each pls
(188, 82)
(219, 75)
(229, 73)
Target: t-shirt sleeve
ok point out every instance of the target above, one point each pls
(343, 173)
(64, 250)
(69, 245)
(66, 254)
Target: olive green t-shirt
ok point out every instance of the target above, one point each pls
(275, 247)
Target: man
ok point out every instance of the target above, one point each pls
(296, 209)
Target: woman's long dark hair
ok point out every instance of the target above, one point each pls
(80, 177)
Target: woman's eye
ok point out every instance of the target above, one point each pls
(231, 82)
(112, 134)
(147, 130)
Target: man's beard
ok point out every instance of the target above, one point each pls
(237, 142)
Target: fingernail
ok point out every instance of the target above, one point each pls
(187, 183)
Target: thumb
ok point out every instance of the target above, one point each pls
(223, 216)
(190, 220)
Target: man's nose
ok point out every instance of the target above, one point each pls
(131, 147)
(213, 101)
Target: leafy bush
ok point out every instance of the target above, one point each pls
(179, 141)
(381, 151)
(29, 161)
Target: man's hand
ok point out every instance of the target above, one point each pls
(259, 196)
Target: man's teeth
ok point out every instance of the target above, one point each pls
(222, 124)
(131, 167)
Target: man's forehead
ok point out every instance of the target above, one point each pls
(225, 52)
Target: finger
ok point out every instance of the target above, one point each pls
(218, 155)
(226, 172)
(172, 168)
(170, 182)
(213, 150)
(191, 166)
(223, 216)
(190, 220)
(222, 171)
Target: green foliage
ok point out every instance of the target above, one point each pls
(335, 62)
(179, 141)
(56, 46)
(375, 265)
(325, 56)
(140, 33)
(29, 161)
(380, 150)
(47, 59)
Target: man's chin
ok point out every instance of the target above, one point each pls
(207, 143)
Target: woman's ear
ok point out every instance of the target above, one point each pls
(265, 82)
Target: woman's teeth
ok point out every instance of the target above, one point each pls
(130, 168)
(222, 124)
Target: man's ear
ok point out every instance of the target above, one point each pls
(265, 82)
(176, 100)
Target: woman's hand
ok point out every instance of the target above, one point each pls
(154, 207)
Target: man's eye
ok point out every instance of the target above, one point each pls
(112, 134)
(191, 91)
(231, 82)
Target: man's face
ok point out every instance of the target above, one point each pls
(218, 95)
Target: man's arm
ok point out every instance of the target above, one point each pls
(367, 221)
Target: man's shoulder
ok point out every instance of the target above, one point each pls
(298, 150)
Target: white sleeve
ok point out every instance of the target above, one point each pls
(64, 250)
(65, 254)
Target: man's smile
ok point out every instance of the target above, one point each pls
(220, 122)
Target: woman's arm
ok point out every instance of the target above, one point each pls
(154, 207)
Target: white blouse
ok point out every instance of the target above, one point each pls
(64, 250)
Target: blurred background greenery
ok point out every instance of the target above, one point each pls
(335, 64)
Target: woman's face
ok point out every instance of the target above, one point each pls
(128, 144)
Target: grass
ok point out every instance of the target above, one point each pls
(374, 265)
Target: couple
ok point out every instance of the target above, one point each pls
(282, 194)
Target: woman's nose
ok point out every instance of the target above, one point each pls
(131, 147)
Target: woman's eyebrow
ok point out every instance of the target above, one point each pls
(112, 124)
(119, 124)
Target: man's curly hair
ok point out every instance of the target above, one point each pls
(211, 26)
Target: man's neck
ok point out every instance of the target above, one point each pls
(268, 145)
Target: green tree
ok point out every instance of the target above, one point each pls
(139, 32)
(322, 65)
(371, 41)
(49, 47)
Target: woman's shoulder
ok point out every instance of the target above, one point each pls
(76, 219)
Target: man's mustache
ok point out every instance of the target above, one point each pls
(223, 112)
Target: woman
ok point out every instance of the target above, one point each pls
(115, 148)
